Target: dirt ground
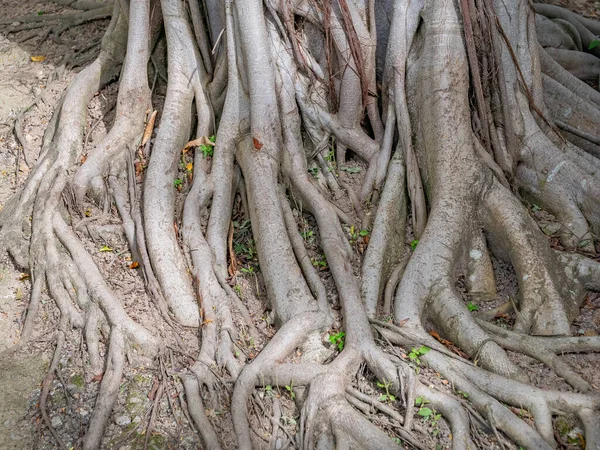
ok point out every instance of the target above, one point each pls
(32, 70)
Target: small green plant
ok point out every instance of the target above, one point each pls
(421, 401)
(290, 389)
(330, 156)
(249, 270)
(414, 244)
(535, 208)
(314, 171)
(415, 353)
(337, 339)
(308, 235)
(595, 43)
(425, 412)
(387, 397)
(355, 233)
(350, 169)
(178, 182)
(207, 149)
(319, 262)
(464, 394)
(472, 307)
(269, 390)
(238, 290)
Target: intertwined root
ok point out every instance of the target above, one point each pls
(281, 80)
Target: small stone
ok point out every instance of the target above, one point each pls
(28, 137)
(56, 422)
(122, 421)
(9, 423)
(137, 419)
(15, 436)
(135, 400)
(83, 413)
(278, 444)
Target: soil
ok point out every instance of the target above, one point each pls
(24, 79)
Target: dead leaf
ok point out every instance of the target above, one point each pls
(19, 294)
(23, 277)
(149, 128)
(197, 142)
(96, 378)
(233, 263)
(257, 144)
(207, 321)
(403, 322)
(138, 168)
(134, 265)
(38, 58)
(152, 392)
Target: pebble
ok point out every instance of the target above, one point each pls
(83, 413)
(122, 421)
(137, 419)
(9, 423)
(56, 422)
(135, 400)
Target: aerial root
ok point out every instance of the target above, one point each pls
(386, 243)
(47, 383)
(404, 430)
(484, 388)
(109, 390)
(538, 349)
(546, 306)
(286, 340)
(196, 409)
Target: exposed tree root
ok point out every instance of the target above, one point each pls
(280, 85)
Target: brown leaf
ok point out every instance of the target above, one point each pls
(403, 322)
(38, 58)
(233, 263)
(23, 276)
(152, 392)
(149, 128)
(257, 144)
(138, 168)
(197, 142)
(134, 265)
(96, 378)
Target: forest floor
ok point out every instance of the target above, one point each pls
(30, 70)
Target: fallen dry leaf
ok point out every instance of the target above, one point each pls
(134, 265)
(96, 378)
(197, 142)
(149, 128)
(257, 144)
(38, 58)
